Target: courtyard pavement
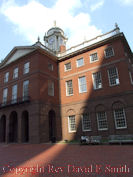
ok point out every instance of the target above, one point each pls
(66, 160)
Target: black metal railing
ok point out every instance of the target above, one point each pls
(17, 101)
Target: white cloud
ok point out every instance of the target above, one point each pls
(97, 5)
(126, 2)
(35, 19)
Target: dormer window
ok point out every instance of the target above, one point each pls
(109, 52)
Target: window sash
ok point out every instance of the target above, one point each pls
(102, 120)
(120, 118)
(68, 66)
(15, 73)
(93, 57)
(86, 122)
(14, 94)
(25, 89)
(80, 62)
(109, 52)
(26, 68)
(82, 84)
(69, 88)
(5, 93)
(6, 77)
(113, 76)
(72, 123)
(97, 80)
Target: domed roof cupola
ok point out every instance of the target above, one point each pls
(55, 38)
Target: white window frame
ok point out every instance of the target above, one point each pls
(69, 128)
(50, 88)
(80, 85)
(94, 81)
(14, 93)
(26, 68)
(105, 119)
(124, 119)
(83, 127)
(6, 77)
(65, 68)
(109, 55)
(131, 78)
(25, 96)
(78, 61)
(91, 57)
(67, 93)
(5, 95)
(15, 73)
(117, 79)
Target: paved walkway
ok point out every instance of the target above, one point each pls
(62, 160)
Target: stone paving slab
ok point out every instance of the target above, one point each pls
(63, 160)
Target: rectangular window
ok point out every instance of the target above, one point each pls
(113, 76)
(80, 62)
(102, 121)
(26, 67)
(50, 88)
(5, 92)
(86, 123)
(69, 88)
(120, 118)
(25, 90)
(68, 66)
(97, 80)
(15, 73)
(109, 52)
(72, 123)
(131, 78)
(82, 84)
(14, 94)
(6, 77)
(93, 57)
(50, 67)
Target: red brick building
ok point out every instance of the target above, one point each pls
(47, 91)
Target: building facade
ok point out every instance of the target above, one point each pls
(47, 91)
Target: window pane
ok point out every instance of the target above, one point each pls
(82, 84)
(93, 57)
(50, 88)
(113, 76)
(26, 68)
(102, 121)
(69, 88)
(97, 81)
(67, 66)
(80, 62)
(109, 52)
(72, 124)
(120, 118)
(86, 123)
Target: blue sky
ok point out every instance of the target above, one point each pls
(22, 21)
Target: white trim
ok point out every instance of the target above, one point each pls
(102, 129)
(112, 51)
(117, 79)
(83, 124)
(94, 87)
(79, 84)
(77, 62)
(69, 125)
(124, 118)
(65, 67)
(90, 56)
